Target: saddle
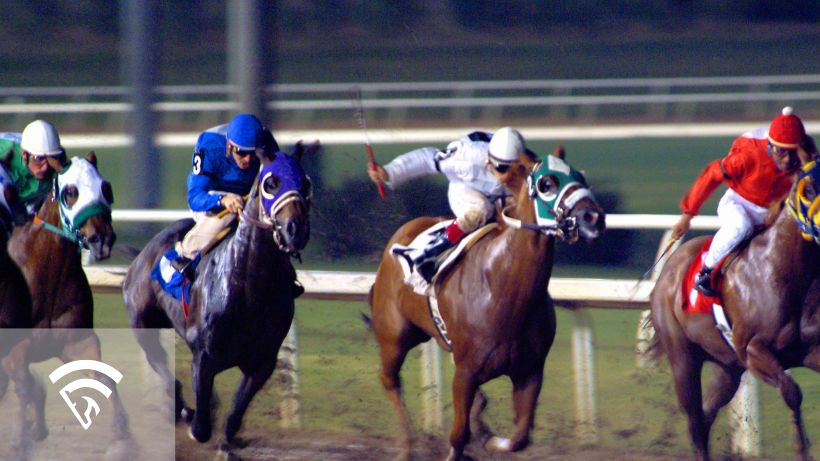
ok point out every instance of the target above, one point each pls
(445, 261)
(695, 302)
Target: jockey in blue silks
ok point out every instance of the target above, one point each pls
(224, 167)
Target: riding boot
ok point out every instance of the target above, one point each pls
(183, 266)
(703, 281)
(426, 262)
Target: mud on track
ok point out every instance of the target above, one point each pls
(324, 446)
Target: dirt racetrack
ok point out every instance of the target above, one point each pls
(314, 446)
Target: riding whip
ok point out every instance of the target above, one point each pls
(357, 106)
(668, 247)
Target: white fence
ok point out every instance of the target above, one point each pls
(654, 98)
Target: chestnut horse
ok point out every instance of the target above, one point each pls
(495, 303)
(47, 249)
(771, 293)
(242, 298)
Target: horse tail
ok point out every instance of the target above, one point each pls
(654, 347)
(368, 321)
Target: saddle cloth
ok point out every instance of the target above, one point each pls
(695, 302)
(171, 281)
(446, 260)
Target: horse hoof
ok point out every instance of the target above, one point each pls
(186, 415)
(201, 438)
(499, 444)
(39, 433)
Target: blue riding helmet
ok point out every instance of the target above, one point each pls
(246, 132)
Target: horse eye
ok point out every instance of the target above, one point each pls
(547, 187)
(69, 196)
(271, 185)
(107, 192)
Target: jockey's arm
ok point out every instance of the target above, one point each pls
(413, 164)
(709, 179)
(198, 197)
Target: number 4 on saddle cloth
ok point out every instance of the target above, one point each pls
(421, 283)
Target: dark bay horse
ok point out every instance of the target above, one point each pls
(494, 303)
(771, 293)
(242, 298)
(15, 299)
(76, 215)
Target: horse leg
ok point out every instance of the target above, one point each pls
(202, 376)
(465, 385)
(722, 388)
(392, 357)
(251, 383)
(686, 370)
(764, 364)
(481, 431)
(525, 398)
(149, 341)
(812, 360)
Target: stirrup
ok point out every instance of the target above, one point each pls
(298, 289)
(703, 283)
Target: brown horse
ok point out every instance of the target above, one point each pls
(77, 215)
(494, 303)
(771, 293)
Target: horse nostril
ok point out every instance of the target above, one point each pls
(291, 228)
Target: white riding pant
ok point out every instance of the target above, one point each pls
(471, 207)
(207, 227)
(738, 218)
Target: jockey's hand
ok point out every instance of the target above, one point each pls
(377, 174)
(232, 202)
(682, 226)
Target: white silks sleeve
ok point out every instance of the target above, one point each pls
(413, 164)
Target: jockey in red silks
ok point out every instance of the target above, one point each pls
(473, 189)
(758, 171)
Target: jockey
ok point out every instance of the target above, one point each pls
(759, 172)
(33, 157)
(224, 169)
(473, 189)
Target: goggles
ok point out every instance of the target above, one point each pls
(780, 151)
(240, 151)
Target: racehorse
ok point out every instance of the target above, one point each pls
(494, 303)
(47, 248)
(15, 299)
(771, 292)
(242, 298)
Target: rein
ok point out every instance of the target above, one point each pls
(74, 237)
(273, 224)
(560, 229)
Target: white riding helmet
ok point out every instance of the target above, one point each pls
(41, 138)
(506, 145)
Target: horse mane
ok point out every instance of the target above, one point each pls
(774, 212)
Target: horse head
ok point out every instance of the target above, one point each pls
(285, 194)
(558, 196)
(85, 199)
(804, 201)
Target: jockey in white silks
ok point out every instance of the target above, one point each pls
(473, 189)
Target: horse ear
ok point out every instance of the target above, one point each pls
(559, 151)
(299, 150)
(92, 158)
(265, 156)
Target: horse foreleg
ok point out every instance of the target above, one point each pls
(764, 364)
(686, 369)
(722, 388)
(202, 376)
(525, 398)
(250, 385)
(481, 431)
(149, 341)
(392, 358)
(465, 386)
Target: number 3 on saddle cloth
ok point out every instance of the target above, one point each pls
(171, 281)
(695, 302)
